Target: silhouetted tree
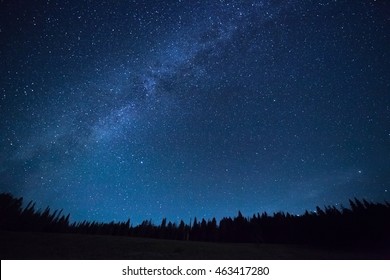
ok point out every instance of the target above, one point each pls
(363, 224)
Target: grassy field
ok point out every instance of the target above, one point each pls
(19, 245)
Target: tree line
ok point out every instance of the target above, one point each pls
(364, 223)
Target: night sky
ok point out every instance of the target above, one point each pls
(148, 109)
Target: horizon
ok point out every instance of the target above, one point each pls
(339, 206)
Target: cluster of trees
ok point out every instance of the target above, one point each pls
(364, 223)
(14, 217)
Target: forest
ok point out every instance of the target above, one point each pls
(363, 224)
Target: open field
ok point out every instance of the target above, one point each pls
(21, 245)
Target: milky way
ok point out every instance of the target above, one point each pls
(152, 109)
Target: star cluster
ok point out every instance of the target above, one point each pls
(177, 109)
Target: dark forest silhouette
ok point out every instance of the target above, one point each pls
(363, 224)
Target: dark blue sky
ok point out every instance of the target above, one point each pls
(152, 109)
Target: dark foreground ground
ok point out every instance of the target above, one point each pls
(21, 245)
